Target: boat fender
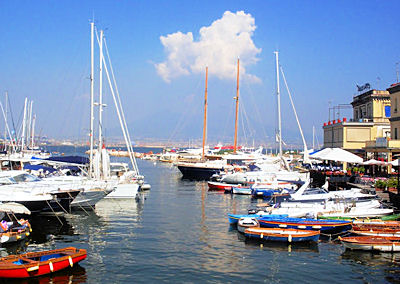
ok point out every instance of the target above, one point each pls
(290, 238)
(71, 263)
(262, 235)
(283, 226)
(33, 268)
(316, 227)
(30, 229)
(51, 266)
(301, 227)
(27, 234)
(18, 237)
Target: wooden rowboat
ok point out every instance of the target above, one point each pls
(282, 235)
(389, 244)
(326, 226)
(34, 264)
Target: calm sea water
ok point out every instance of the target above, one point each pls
(179, 232)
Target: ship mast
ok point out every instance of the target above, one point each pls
(278, 95)
(205, 115)
(91, 97)
(237, 108)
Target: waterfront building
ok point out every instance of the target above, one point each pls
(371, 113)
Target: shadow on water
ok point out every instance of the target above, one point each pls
(46, 227)
(76, 274)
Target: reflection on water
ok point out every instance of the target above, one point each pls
(76, 274)
(179, 232)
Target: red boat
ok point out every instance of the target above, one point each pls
(212, 185)
(34, 264)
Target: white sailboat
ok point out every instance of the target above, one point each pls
(127, 181)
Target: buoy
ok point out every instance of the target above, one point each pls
(27, 234)
(290, 238)
(51, 266)
(18, 237)
(70, 261)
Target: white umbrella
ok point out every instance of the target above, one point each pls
(374, 162)
(338, 155)
(12, 207)
(395, 163)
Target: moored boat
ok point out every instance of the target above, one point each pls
(388, 244)
(247, 222)
(213, 185)
(326, 226)
(241, 190)
(14, 231)
(282, 235)
(234, 218)
(34, 264)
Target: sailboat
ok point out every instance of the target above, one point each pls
(126, 182)
(271, 169)
(206, 168)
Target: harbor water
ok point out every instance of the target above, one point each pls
(179, 232)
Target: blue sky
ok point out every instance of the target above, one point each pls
(326, 48)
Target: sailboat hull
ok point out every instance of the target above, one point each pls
(198, 173)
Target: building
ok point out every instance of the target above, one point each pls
(371, 113)
(394, 91)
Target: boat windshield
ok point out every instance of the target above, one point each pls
(7, 180)
(310, 191)
(26, 178)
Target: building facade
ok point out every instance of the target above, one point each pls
(371, 113)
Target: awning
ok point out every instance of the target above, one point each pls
(337, 155)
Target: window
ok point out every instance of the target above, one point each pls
(395, 133)
(395, 105)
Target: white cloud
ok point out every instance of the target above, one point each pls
(218, 47)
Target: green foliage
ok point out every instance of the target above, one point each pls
(392, 183)
(380, 184)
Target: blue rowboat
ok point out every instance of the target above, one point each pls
(234, 218)
(282, 235)
(325, 226)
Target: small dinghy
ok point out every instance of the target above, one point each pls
(241, 190)
(326, 226)
(282, 235)
(34, 264)
(247, 222)
(388, 244)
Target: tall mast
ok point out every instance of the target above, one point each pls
(5, 124)
(313, 137)
(237, 108)
(29, 123)
(205, 114)
(278, 95)
(33, 131)
(91, 96)
(101, 92)
(23, 126)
